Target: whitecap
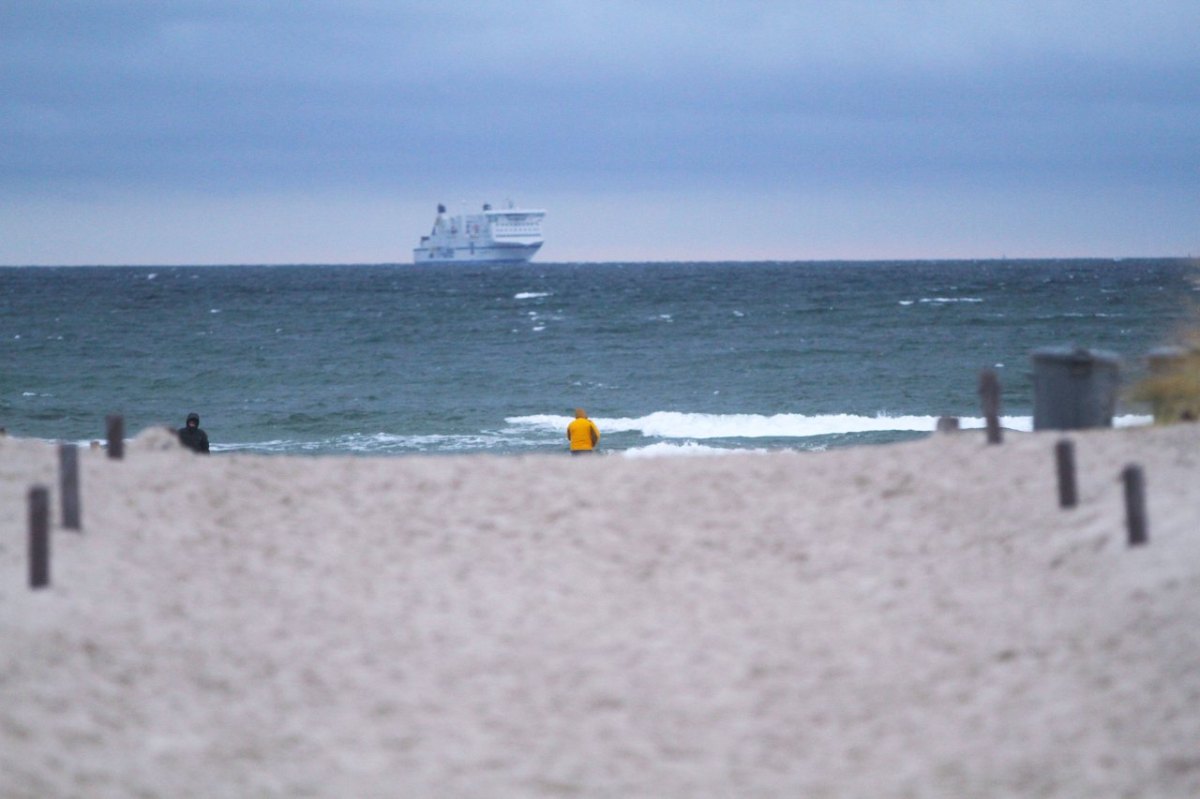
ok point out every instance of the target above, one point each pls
(701, 426)
(941, 300)
(682, 425)
(383, 444)
(689, 449)
(531, 295)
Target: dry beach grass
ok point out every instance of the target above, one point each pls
(917, 619)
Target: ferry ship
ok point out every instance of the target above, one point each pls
(512, 235)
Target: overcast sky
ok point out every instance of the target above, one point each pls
(187, 132)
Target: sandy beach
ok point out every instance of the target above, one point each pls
(911, 620)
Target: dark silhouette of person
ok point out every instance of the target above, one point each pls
(191, 436)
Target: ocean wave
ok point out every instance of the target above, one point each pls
(701, 426)
(940, 300)
(676, 424)
(384, 444)
(678, 435)
(688, 449)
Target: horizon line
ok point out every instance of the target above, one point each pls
(664, 262)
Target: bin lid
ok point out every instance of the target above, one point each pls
(1075, 355)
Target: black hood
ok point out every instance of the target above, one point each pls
(193, 417)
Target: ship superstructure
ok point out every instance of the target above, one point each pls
(508, 235)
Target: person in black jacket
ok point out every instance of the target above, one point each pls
(191, 436)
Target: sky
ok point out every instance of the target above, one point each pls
(259, 131)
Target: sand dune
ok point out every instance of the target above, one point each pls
(910, 620)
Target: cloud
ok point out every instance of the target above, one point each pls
(244, 99)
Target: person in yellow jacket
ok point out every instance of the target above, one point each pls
(582, 433)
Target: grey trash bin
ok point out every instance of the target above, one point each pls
(1074, 388)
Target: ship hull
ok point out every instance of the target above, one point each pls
(478, 254)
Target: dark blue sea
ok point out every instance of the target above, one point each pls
(665, 357)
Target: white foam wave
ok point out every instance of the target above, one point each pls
(671, 424)
(531, 295)
(386, 444)
(678, 425)
(675, 424)
(942, 300)
(1025, 423)
(688, 449)
(1132, 420)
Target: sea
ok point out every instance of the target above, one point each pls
(669, 359)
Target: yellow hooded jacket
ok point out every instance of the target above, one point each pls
(583, 433)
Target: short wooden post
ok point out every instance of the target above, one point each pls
(1064, 457)
(989, 395)
(115, 428)
(39, 537)
(68, 484)
(1135, 504)
(947, 424)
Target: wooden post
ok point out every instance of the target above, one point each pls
(1064, 456)
(115, 427)
(1135, 504)
(989, 395)
(68, 484)
(39, 537)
